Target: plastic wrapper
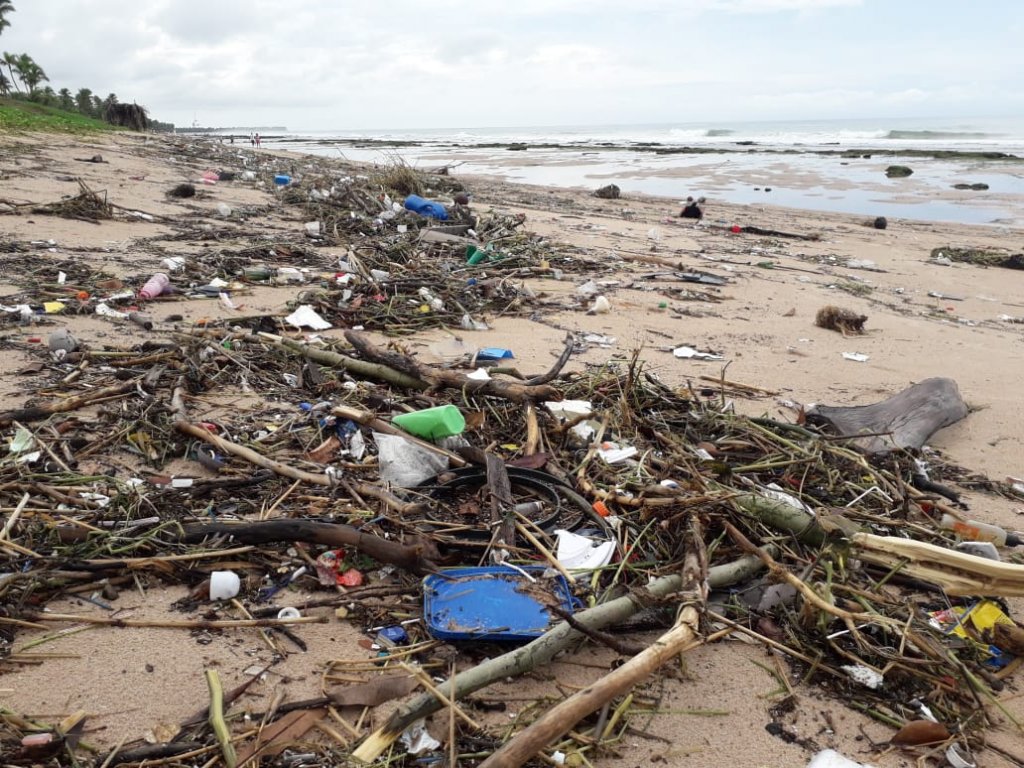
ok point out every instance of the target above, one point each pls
(404, 463)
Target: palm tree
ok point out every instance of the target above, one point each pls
(66, 100)
(97, 107)
(83, 100)
(11, 61)
(47, 96)
(5, 85)
(31, 73)
(6, 7)
(108, 102)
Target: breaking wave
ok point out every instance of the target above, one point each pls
(911, 135)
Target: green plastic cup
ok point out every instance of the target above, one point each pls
(432, 423)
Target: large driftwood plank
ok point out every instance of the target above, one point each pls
(905, 420)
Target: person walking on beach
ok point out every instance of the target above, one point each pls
(257, 141)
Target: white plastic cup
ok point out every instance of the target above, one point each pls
(289, 613)
(224, 585)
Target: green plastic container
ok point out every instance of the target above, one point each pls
(432, 423)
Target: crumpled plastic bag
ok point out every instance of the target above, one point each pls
(416, 739)
(405, 464)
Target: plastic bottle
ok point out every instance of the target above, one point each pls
(972, 530)
(258, 274)
(424, 207)
(156, 285)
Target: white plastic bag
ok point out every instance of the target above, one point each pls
(405, 464)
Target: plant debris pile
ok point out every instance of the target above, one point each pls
(127, 467)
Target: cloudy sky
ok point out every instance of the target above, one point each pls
(317, 64)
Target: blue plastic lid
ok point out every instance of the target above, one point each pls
(491, 603)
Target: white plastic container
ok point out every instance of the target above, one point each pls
(224, 585)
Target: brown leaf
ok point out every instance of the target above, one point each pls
(281, 734)
(533, 461)
(326, 451)
(769, 629)
(377, 691)
(33, 367)
(918, 732)
(475, 420)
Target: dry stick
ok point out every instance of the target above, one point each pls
(427, 683)
(361, 367)
(848, 617)
(502, 516)
(561, 718)
(509, 390)
(539, 652)
(42, 444)
(294, 473)
(40, 412)
(563, 358)
(9, 525)
(197, 624)
(532, 431)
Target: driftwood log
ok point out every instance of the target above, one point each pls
(444, 379)
(412, 558)
(905, 420)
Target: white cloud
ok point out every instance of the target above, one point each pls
(308, 63)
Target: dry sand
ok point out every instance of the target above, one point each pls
(713, 706)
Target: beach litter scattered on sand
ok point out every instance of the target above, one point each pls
(607, 500)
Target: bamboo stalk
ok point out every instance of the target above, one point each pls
(539, 652)
(217, 723)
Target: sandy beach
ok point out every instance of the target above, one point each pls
(926, 317)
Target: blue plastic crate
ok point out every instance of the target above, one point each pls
(491, 603)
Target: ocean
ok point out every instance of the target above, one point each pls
(834, 165)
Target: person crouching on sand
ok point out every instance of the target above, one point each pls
(693, 209)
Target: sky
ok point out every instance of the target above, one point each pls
(322, 65)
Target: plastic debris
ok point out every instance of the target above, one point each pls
(306, 317)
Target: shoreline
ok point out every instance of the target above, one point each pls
(926, 318)
(942, 187)
(658, 148)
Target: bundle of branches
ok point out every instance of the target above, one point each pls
(85, 206)
(127, 116)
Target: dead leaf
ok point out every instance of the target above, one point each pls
(790, 313)
(918, 732)
(475, 420)
(376, 691)
(279, 735)
(33, 367)
(533, 461)
(326, 451)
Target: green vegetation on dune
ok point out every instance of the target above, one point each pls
(26, 116)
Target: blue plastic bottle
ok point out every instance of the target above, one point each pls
(423, 207)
